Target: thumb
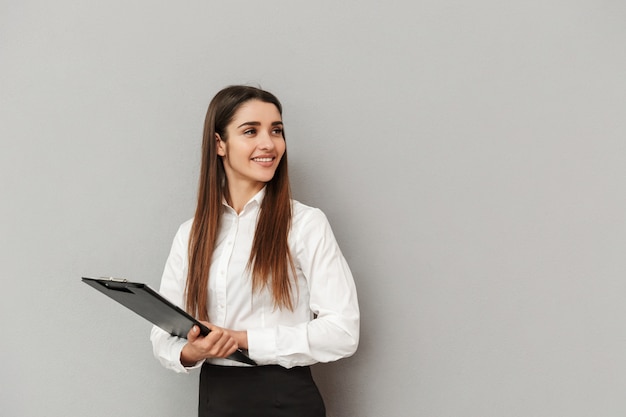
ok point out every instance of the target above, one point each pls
(193, 333)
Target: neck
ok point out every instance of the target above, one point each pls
(238, 196)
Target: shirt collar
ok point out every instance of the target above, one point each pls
(258, 197)
(256, 200)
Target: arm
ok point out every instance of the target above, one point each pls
(168, 349)
(333, 333)
(176, 353)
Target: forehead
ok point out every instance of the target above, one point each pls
(257, 111)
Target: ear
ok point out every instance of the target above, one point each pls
(220, 145)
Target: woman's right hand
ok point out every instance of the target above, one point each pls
(217, 344)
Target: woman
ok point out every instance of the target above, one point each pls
(262, 271)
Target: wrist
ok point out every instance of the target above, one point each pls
(241, 337)
(187, 359)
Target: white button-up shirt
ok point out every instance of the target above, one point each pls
(324, 325)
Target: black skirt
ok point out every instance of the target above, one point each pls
(260, 391)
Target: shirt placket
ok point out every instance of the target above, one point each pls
(223, 271)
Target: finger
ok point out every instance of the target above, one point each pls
(193, 334)
(219, 344)
(224, 346)
(227, 348)
(232, 349)
(213, 339)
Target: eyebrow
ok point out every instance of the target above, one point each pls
(278, 123)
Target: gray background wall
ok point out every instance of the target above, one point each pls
(470, 156)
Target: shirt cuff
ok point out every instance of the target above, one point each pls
(262, 346)
(173, 361)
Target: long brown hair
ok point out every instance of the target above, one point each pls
(270, 260)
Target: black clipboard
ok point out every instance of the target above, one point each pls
(155, 308)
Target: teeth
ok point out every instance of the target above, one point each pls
(263, 159)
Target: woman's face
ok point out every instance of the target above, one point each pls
(253, 147)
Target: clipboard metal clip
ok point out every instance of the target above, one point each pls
(112, 279)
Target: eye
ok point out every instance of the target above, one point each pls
(278, 131)
(249, 132)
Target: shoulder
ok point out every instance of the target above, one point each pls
(184, 230)
(303, 214)
(311, 231)
(309, 221)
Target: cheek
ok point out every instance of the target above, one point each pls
(281, 146)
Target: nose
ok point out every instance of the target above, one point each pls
(266, 142)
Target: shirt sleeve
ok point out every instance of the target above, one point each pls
(333, 333)
(166, 347)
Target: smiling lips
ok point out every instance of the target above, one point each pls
(265, 159)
